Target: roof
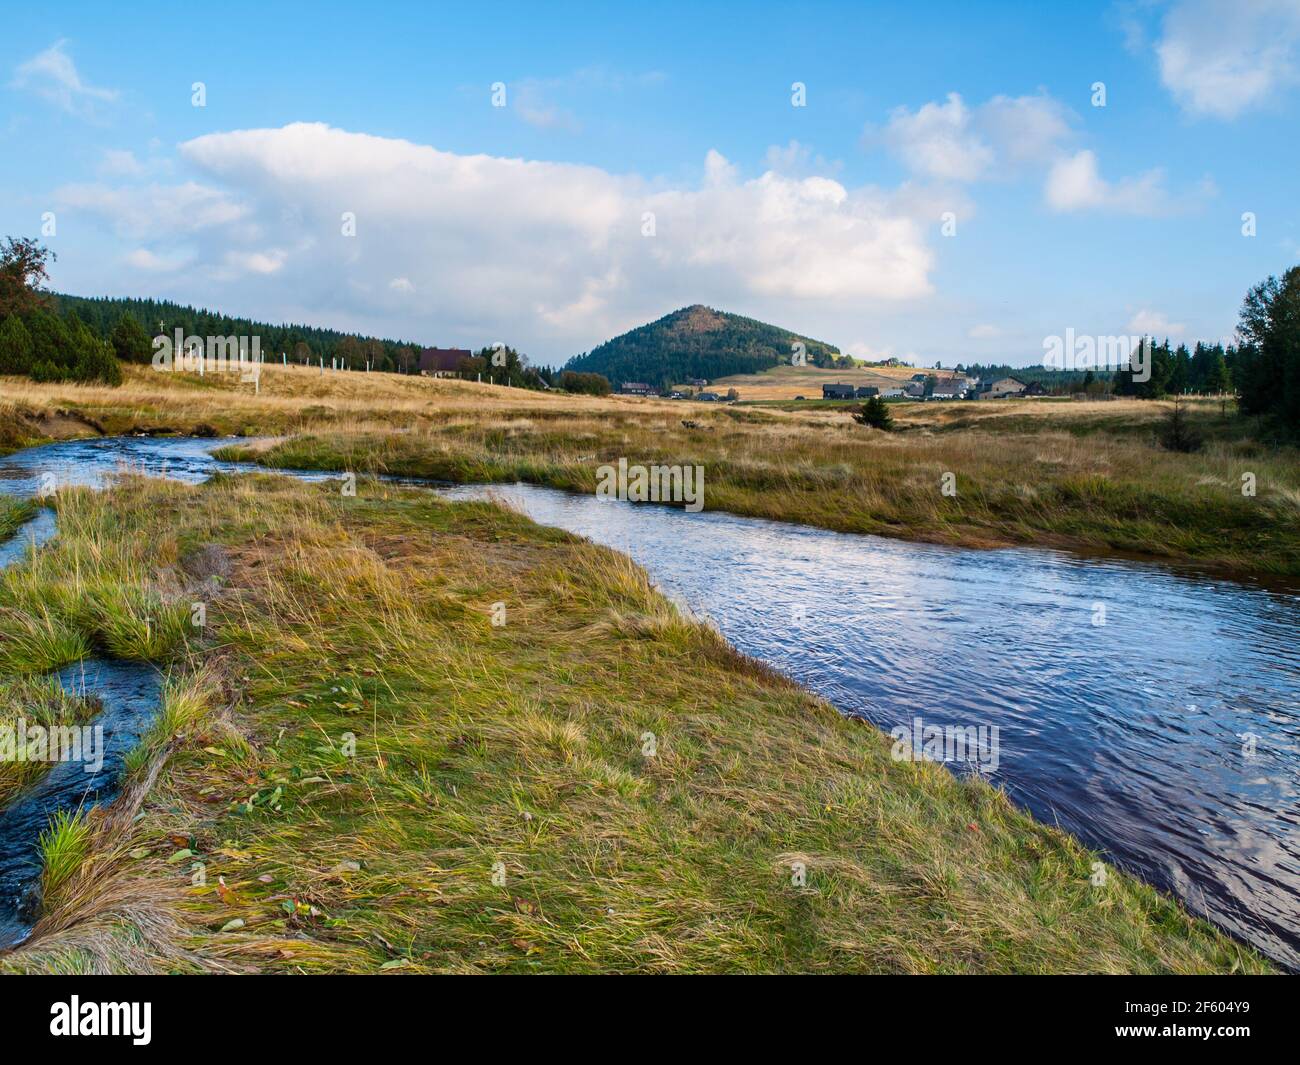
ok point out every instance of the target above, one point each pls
(949, 384)
(438, 360)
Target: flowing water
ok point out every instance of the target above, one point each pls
(127, 693)
(1153, 714)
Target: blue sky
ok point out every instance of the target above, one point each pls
(531, 222)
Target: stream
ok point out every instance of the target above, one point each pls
(1153, 714)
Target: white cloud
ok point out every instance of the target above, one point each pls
(1074, 184)
(1154, 324)
(983, 331)
(117, 162)
(534, 99)
(953, 142)
(256, 262)
(549, 255)
(53, 75)
(144, 260)
(1224, 57)
(797, 160)
(153, 211)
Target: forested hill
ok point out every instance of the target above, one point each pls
(156, 316)
(697, 342)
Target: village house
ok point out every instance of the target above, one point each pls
(707, 397)
(948, 388)
(837, 391)
(1000, 388)
(637, 388)
(867, 391)
(442, 362)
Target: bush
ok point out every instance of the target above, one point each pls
(96, 362)
(130, 342)
(15, 346)
(1178, 434)
(50, 339)
(875, 413)
(45, 371)
(593, 384)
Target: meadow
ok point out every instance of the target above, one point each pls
(420, 736)
(1090, 477)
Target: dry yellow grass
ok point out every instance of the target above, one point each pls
(1085, 476)
(787, 382)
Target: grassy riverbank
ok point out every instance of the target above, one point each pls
(1088, 477)
(358, 749)
(13, 514)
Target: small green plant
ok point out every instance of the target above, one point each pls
(63, 847)
(875, 413)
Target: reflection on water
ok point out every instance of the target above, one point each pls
(1167, 737)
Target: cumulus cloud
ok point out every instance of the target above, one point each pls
(1224, 57)
(951, 141)
(1075, 183)
(53, 76)
(554, 255)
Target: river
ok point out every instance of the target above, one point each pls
(1153, 714)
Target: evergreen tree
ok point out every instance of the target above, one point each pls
(1266, 369)
(130, 341)
(1219, 381)
(50, 341)
(15, 346)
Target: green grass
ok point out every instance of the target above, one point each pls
(93, 589)
(14, 513)
(64, 845)
(367, 749)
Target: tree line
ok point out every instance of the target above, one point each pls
(36, 340)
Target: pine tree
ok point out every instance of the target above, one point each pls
(130, 341)
(15, 346)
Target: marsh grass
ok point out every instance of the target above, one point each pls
(63, 846)
(95, 587)
(375, 748)
(14, 513)
(1057, 476)
(1089, 476)
(36, 701)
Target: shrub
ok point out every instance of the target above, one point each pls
(15, 346)
(875, 413)
(1178, 434)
